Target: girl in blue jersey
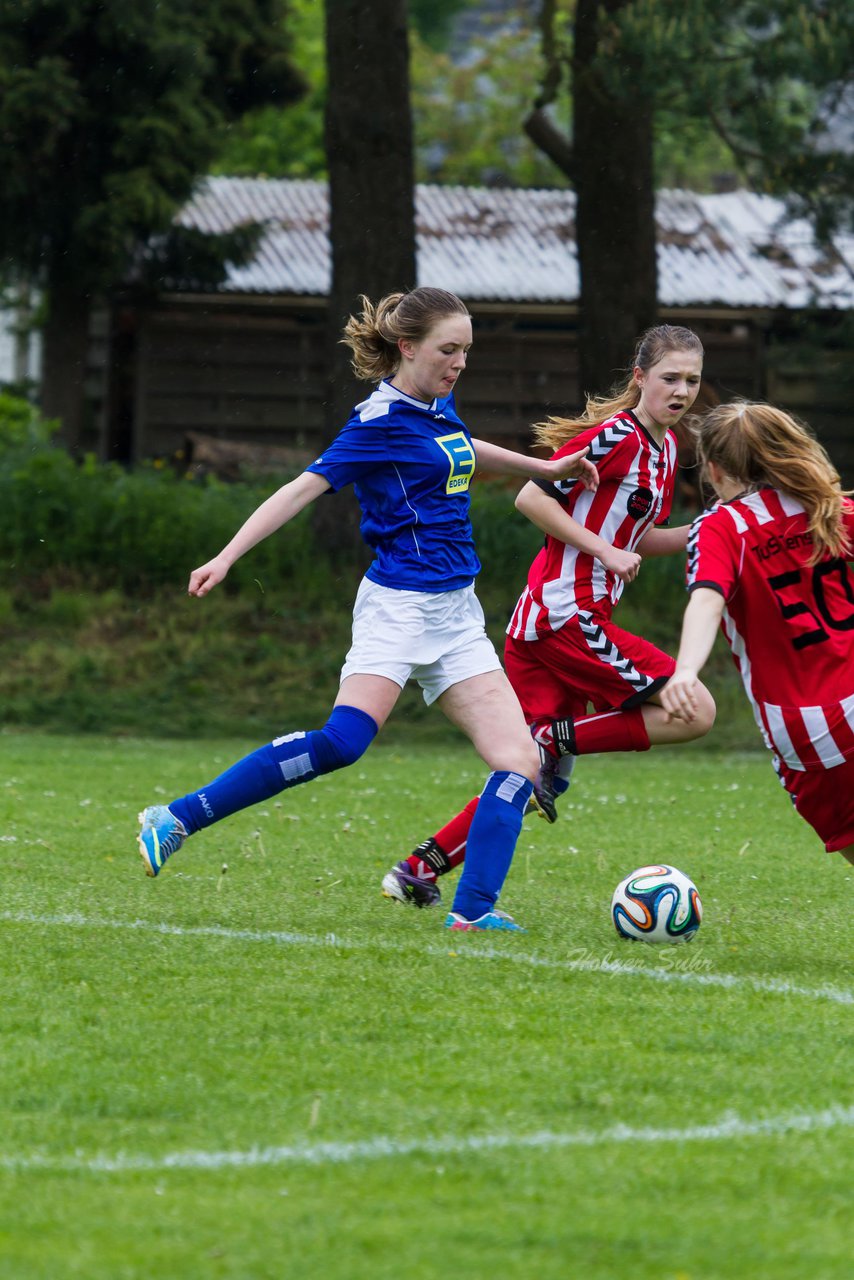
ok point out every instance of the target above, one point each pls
(410, 460)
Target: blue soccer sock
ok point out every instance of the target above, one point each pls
(491, 842)
(286, 762)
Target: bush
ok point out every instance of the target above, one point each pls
(98, 632)
(21, 425)
(130, 529)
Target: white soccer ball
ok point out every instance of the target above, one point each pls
(656, 904)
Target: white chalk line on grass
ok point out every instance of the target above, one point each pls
(729, 1128)
(585, 964)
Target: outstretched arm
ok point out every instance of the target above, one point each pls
(276, 511)
(699, 628)
(491, 457)
(549, 516)
(663, 541)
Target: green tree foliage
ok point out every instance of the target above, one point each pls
(271, 142)
(763, 76)
(108, 113)
(758, 81)
(468, 108)
(742, 91)
(432, 19)
(767, 76)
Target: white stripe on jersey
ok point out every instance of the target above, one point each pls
(693, 540)
(610, 435)
(773, 726)
(736, 517)
(790, 505)
(793, 729)
(758, 506)
(412, 509)
(821, 738)
(780, 740)
(847, 705)
(380, 401)
(558, 597)
(634, 471)
(534, 612)
(558, 594)
(739, 649)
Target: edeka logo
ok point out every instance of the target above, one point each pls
(461, 457)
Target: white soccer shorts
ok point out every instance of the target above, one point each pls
(437, 639)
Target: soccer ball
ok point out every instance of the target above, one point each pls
(656, 904)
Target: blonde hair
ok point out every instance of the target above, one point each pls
(652, 346)
(757, 444)
(373, 336)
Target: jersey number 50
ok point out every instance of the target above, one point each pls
(828, 578)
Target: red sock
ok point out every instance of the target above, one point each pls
(451, 839)
(611, 731)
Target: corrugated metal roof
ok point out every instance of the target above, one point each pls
(733, 250)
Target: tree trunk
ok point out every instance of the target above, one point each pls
(369, 153)
(65, 352)
(615, 202)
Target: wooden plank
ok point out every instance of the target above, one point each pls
(241, 417)
(261, 374)
(232, 381)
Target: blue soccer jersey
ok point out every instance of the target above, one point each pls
(410, 465)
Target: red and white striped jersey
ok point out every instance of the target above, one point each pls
(636, 483)
(790, 624)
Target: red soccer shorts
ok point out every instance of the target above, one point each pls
(825, 799)
(589, 660)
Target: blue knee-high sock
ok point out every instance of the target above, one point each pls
(286, 762)
(491, 843)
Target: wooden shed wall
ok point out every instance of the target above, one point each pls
(248, 375)
(821, 393)
(256, 374)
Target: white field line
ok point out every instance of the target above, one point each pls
(729, 1128)
(578, 961)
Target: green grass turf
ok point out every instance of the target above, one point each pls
(284, 1007)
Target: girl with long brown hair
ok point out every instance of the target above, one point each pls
(564, 653)
(768, 564)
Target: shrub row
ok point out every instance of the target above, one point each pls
(127, 529)
(92, 554)
(145, 528)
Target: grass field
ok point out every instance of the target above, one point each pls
(272, 1072)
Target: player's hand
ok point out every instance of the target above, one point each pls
(206, 577)
(623, 564)
(679, 695)
(574, 465)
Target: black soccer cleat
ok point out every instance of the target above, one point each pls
(550, 783)
(401, 884)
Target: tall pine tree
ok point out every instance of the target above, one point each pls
(109, 111)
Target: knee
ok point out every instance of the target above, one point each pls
(344, 738)
(522, 758)
(706, 712)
